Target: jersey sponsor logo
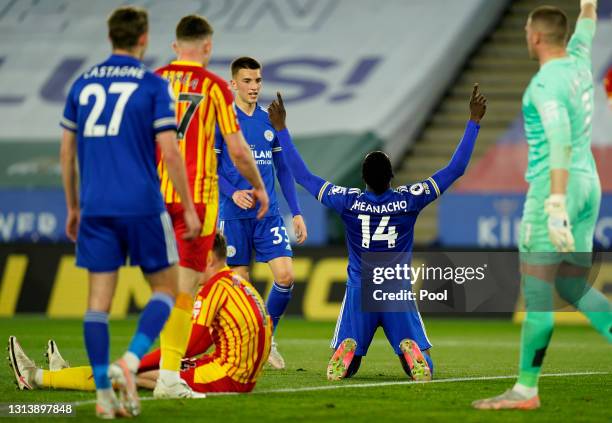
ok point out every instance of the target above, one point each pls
(231, 251)
(262, 157)
(354, 191)
(269, 135)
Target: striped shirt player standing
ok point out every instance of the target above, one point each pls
(379, 220)
(114, 113)
(203, 101)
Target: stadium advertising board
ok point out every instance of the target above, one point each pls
(39, 278)
(38, 215)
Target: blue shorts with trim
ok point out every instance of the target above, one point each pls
(268, 237)
(361, 326)
(106, 243)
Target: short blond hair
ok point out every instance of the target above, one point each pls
(553, 24)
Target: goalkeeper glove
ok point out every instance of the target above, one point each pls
(559, 228)
(585, 2)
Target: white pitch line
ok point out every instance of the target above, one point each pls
(372, 385)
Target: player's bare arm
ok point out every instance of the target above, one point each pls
(588, 9)
(241, 155)
(176, 170)
(69, 181)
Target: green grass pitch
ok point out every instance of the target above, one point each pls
(472, 358)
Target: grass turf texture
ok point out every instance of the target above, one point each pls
(462, 349)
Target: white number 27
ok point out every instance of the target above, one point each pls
(382, 233)
(92, 128)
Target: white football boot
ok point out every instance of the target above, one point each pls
(179, 389)
(23, 367)
(275, 359)
(54, 358)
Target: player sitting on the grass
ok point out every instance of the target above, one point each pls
(244, 232)
(227, 308)
(370, 231)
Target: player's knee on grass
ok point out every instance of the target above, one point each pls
(353, 367)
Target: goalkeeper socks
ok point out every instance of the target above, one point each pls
(278, 299)
(175, 336)
(592, 303)
(152, 320)
(97, 343)
(537, 329)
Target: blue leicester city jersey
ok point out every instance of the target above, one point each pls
(377, 223)
(116, 109)
(261, 137)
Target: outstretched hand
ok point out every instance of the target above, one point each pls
(277, 113)
(478, 104)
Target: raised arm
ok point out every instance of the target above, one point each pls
(303, 176)
(287, 184)
(588, 9)
(457, 165)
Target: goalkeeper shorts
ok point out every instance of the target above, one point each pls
(583, 200)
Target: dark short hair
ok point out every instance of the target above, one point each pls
(193, 27)
(220, 246)
(377, 171)
(125, 26)
(244, 63)
(555, 23)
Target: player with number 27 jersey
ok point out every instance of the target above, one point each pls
(114, 92)
(107, 108)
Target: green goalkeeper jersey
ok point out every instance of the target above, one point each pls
(558, 110)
